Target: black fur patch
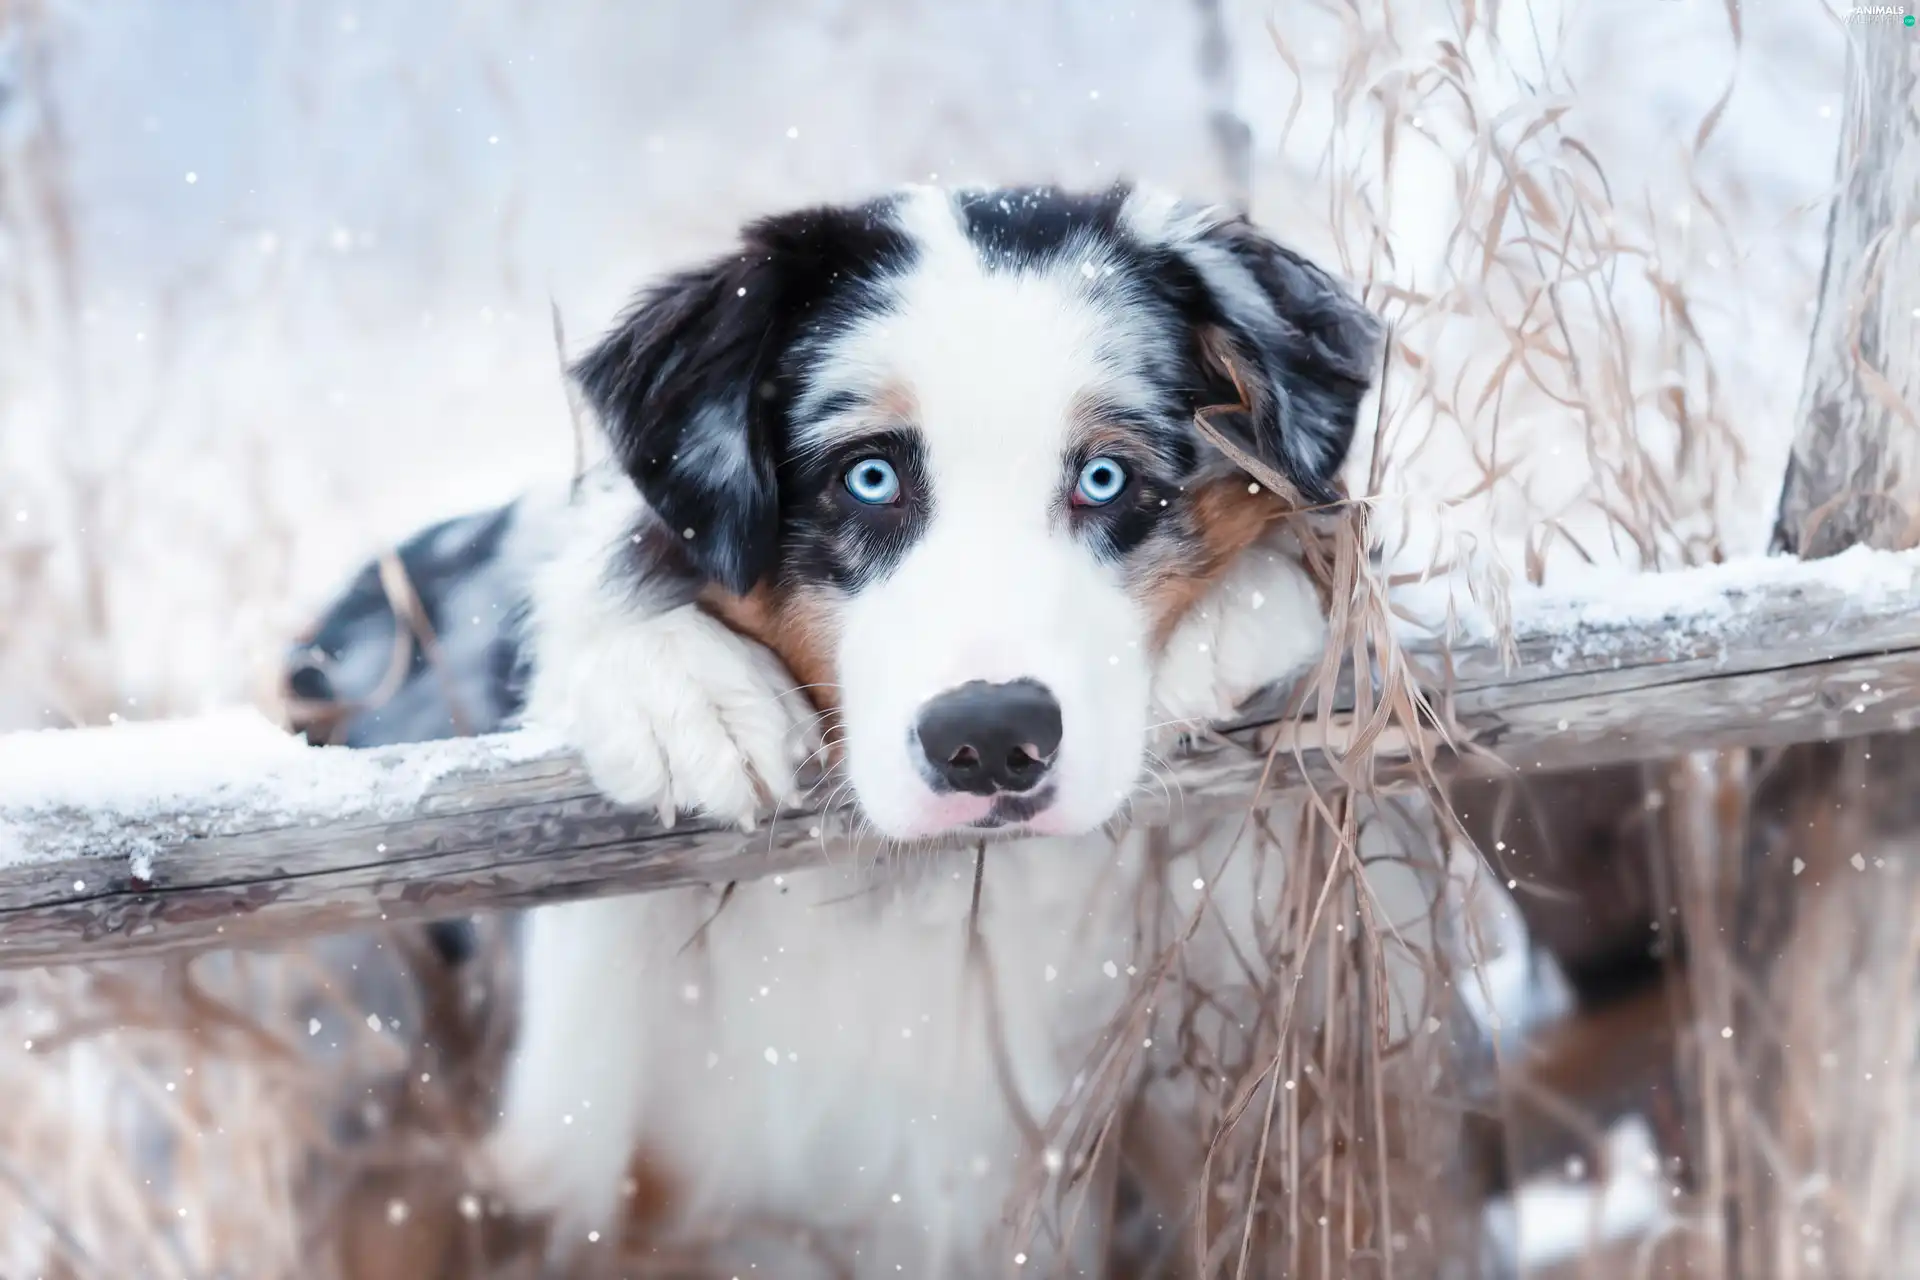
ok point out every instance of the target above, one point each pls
(1309, 345)
(654, 569)
(1123, 525)
(473, 603)
(694, 383)
(1027, 226)
(831, 536)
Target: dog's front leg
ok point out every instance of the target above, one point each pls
(669, 709)
(671, 712)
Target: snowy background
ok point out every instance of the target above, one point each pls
(276, 278)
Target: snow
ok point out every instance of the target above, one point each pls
(1602, 607)
(1701, 595)
(1555, 1218)
(129, 789)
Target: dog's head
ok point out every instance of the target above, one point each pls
(939, 451)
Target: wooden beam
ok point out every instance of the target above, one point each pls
(308, 840)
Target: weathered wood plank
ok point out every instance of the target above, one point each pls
(1737, 657)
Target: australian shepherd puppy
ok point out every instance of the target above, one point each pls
(913, 489)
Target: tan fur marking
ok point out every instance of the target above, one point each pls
(1229, 519)
(1225, 514)
(895, 404)
(795, 625)
(652, 1198)
(890, 407)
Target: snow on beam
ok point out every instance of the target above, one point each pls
(224, 830)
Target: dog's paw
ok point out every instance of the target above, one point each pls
(1259, 624)
(675, 713)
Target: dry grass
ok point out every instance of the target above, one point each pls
(1548, 321)
(1550, 396)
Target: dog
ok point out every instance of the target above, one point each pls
(943, 491)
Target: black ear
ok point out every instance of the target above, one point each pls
(676, 386)
(692, 385)
(1296, 345)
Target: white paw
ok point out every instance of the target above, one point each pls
(673, 712)
(1260, 624)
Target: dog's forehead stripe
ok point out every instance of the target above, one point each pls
(1017, 308)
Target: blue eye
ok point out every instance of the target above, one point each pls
(1101, 481)
(874, 482)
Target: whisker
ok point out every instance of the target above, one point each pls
(823, 750)
(1140, 789)
(1169, 784)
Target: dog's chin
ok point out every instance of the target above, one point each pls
(1016, 812)
(1035, 813)
(939, 817)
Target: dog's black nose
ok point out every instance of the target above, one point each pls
(982, 738)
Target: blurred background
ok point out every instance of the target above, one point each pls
(279, 284)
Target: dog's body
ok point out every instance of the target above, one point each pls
(916, 488)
